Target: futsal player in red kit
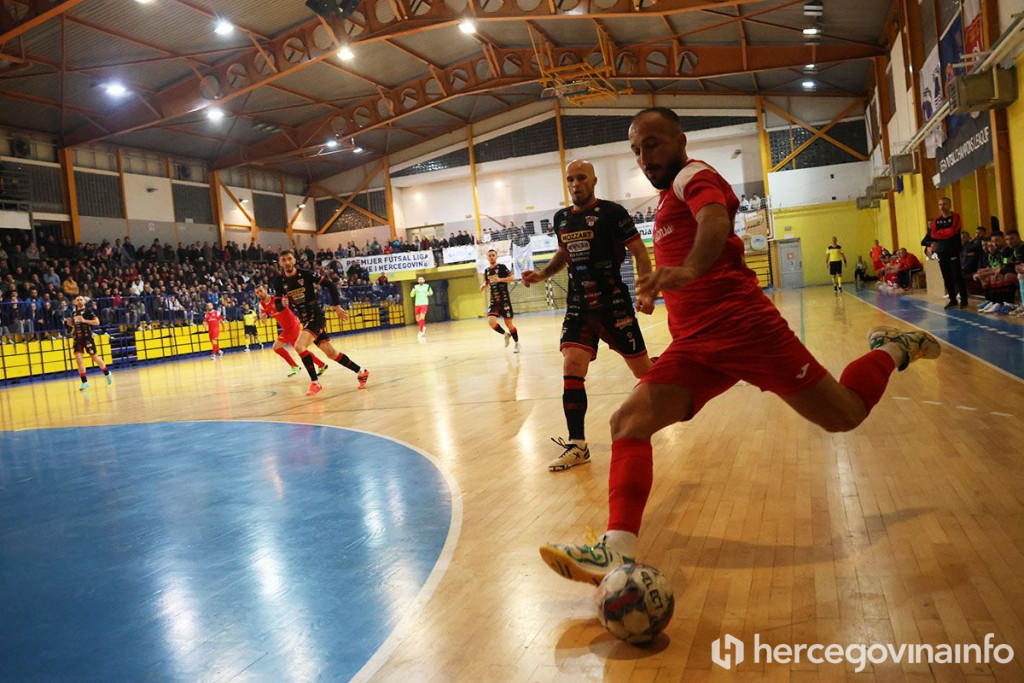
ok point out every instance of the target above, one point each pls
(724, 330)
(212, 320)
(276, 307)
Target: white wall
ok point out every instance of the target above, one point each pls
(525, 184)
(806, 187)
(903, 124)
(272, 239)
(145, 205)
(232, 214)
(331, 240)
(307, 216)
(198, 232)
(96, 230)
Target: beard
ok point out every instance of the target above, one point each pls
(663, 181)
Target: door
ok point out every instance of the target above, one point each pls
(791, 264)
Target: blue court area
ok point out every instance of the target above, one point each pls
(997, 341)
(210, 550)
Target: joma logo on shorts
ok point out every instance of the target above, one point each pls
(578, 235)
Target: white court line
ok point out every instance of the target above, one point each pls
(932, 403)
(966, 408)
(401, 630)
(943, 341)
(1001, 414)
(900, 398)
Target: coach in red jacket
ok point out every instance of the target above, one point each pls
(944, 239)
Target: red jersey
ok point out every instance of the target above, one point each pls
(213, 319)
(729, 283)
(285, 317)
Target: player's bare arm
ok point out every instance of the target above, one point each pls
(713, 229)
(644, 304)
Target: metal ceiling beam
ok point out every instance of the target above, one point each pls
(13, 27)
(315, 41)
(518, 67)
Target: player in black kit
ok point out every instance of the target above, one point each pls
(593, 235)
(300, 286)
(81, 322)
(497, 276)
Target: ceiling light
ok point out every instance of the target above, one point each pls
(814, 8)
(223, 27)
(357, 150)
(302, 206)
(115, 89)
(808, 67)
(808, 85)
(345, 53)
(812, 31)
(143, 2)
(244, 201)
(467, 26)
(418, 196)
(332, 143)
(214, 114)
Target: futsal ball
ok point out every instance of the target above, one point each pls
(635, 603)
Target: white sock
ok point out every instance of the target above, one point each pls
(896, 351)
(621, 542)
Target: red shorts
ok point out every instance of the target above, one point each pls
(420, 310)
(214, 332)
(289, 335)
(754, 346)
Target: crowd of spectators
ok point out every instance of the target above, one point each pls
(138, 286)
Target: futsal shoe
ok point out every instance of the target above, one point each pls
(571, 456)
(914, 344)
(363, 377)
(516, 349)
(508, 338)
(583, 563)
(314, 389)
(294, 371)
(110, 379)
(85, 385)
(320, 370)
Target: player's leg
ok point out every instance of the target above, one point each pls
(510, 324)
(279, 349)
(421, 319)
(362, 374)
(576, 359)
(80, 362)
(839, 275)
(663, 397)
(841, 406)
(102, 366)
(492, 320)
(302, 344)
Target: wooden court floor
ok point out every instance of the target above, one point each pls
(908, 530)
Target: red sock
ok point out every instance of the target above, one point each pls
(287, 357)
(422, 324)
(317, 361)
(868, 376)
(216, 347)
(103, 368)
(629, 484)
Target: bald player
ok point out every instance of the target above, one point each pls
(593, 236)
(724, 330)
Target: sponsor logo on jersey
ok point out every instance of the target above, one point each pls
(578, 247)
(623, 323)
(663, 231)
(578, 235)
(591, 221)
